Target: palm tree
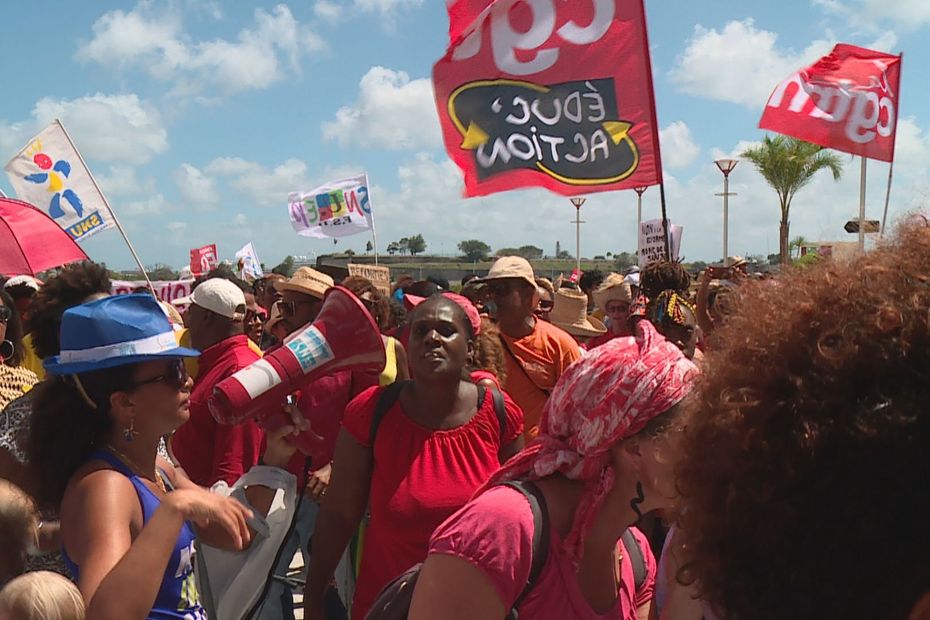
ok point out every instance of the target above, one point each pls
(796, 244)
(788, 164)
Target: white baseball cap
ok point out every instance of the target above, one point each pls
(217, 295)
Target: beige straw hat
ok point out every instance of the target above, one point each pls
(570, 313)
(613, 288)
(308, 281)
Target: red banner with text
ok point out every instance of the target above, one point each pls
(847, 100)
(203, 260)
(551, 94)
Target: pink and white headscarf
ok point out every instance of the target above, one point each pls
(605, 397)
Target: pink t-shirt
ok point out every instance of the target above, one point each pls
(494, 532)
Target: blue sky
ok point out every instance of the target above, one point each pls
(199, 117)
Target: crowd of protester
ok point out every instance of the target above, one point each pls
(634, 446)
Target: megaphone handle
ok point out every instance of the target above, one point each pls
(280, 417)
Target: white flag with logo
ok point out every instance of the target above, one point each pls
(337, 209)
(250, 269)
(48, 173)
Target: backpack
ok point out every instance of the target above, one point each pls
(394, 601)
(391, 393)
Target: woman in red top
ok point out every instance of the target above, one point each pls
(438, 443)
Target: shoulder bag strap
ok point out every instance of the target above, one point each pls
(521, 366)
(540, 537)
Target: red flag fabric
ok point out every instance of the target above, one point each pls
(203, 260)
(847, 100)
(463, 15)
(550, 94)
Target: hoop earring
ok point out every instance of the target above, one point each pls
(129, 433)
(7, 350)
(639, 499)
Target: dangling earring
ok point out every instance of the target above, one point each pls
(6, 350)
(639, 499)
(129, 433)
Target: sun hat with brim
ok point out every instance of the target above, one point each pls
(613, 288)
(509, 268)
(570, 312)
(308, 281)
(114, 331)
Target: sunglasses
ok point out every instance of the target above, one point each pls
(5, 314)
(251, 316)
(176, 377)
(546, 305)
(500, 288)
(289, 308)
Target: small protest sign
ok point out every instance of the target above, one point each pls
(203, 260)
(379, 275)
(165, 290)
(652, 244)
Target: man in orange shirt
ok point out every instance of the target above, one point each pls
(537, 352)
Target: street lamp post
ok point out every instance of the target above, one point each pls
(639, 216)
(726, 167)
(578, 201)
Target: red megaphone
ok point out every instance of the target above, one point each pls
(343, 337)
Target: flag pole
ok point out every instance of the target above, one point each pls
(3, 194)
(862, 175)
(107, 204)
(887, 196)
(666, 233)
(374, 231)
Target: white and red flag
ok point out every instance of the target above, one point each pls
(847, 100)
(548, 93)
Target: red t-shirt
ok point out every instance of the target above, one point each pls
(207, 450)
(421, 476)
(494, 532)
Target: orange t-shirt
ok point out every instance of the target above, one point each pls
(544, 355)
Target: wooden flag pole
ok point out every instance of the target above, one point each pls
(665, 230)
(862, 178)
(107, 204)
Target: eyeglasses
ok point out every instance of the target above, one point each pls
(289, 308)
(176, 377)
(617, 308)
(5, 314)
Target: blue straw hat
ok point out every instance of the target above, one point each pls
(114, 331)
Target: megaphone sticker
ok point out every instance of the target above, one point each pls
(310, 349)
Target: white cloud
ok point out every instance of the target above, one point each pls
(122, 181)
(739, 64)
(910, 14)
(176, 227)
(392, 111)
(198, 190)
(387, 6)
(120, 129)
(269, 51)
(679, 149)
(259, 185)
(326, 9)
(155, 205)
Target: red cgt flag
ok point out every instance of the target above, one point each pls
(846, 101)
(203, 260)
(548, 93)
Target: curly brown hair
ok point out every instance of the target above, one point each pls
(489, 352)
(806, 456)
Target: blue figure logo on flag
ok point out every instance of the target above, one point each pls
(54, 175)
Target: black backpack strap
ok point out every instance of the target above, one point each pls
(501, 413)
(386, 400)
(540, 537)
(635, 553)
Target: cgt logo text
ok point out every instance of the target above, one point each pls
(83, 228)
(570, 131)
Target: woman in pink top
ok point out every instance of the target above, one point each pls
(600, 461)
